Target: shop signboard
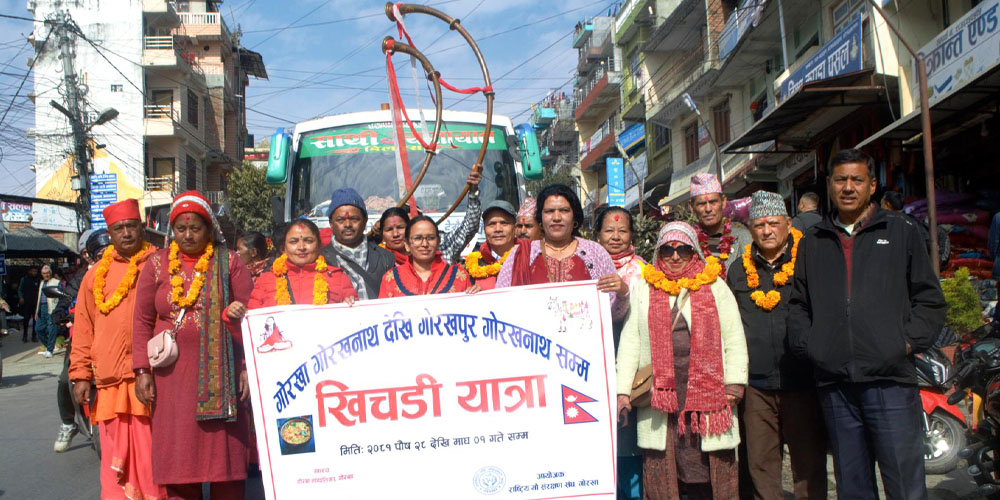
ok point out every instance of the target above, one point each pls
(616, 181)
(16, 212)
(961, 53)
(839, 56)
(53, 217)
(503, 394)
(633, 137)
(637, 169)
(103, 192)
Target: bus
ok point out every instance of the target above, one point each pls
(358, 150)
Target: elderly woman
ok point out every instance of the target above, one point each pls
(562, 254)
(685, 324)
(301, 275)
(47, 329)
(252, 250)
(392, 225)
(425, 272)
(199, 430)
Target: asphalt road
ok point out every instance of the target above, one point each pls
(29, 422)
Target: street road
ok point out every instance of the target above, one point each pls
(29, 422)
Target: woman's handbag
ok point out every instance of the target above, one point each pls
(642, 383)
(162, 348)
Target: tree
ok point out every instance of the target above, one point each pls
(249, 197)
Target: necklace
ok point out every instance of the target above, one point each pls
(707, 276)
(768, 301)
(121, 291)
(560, 249)
(725, 242)
(177, 296)
(478, 271)
(281, 293)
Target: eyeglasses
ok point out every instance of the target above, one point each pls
(683, 251)
(418, 239)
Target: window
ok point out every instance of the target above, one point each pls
(162, 105)
(192, 173)
(662, 135)
(192, 111)
(162, 167)
(720, 122)
(691, 143)
(117, 87)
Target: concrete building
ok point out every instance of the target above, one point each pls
(177, 77)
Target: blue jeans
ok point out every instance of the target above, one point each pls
(877, 421)
(47, 330)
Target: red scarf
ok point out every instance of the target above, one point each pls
(706, 410)
(620, 259)
(486, 254)
(522, 264)
(401, 258)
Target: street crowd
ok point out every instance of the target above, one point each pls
(738, 340)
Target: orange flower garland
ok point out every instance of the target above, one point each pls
(657, 279)
(768, 301)
(320, 286)
(479, 271)
(121, 291)
(177, 296)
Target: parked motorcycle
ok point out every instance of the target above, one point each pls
(977, 366)
(945, 425)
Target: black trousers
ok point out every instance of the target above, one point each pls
(876, 422)
(64, 395)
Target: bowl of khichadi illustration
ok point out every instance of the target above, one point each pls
(296, 435)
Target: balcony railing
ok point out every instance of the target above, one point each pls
(215, 197)
(165, 183)
(158, 42)
(199, 17)
(158, 111)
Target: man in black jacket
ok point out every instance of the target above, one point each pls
(780, 407)
(865, 298)
(362, 260)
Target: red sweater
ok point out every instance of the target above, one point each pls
(301, 286)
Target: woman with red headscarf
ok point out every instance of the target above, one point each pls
(685, 325)
(199, 427)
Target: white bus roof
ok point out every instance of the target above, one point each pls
(386, 116)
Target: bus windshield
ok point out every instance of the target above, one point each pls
(363, 156)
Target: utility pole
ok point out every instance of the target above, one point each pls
(72, 110)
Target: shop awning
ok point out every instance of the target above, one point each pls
(29, 242)
(964, 107)
(814, 108)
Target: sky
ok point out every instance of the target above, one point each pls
(323, 57)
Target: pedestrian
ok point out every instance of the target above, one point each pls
(102, 353)
(199, 428)
(484, 264)
(864, 299)
(46, 329)
(562, 254)
(892, 201)
(684, 331)
(27, 288)
(300, 275)
(781, 407)
(808, 214)
(364, 262)
(614, 228)
(253, 252)
(526, 228)
(717, 235)
(392, 227)
(425, 271)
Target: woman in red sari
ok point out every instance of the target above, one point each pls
(393, 224)
(199, 429)
(425, 272)
(300, 275)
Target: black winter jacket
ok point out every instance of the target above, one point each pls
(855, 325)
(772, 367)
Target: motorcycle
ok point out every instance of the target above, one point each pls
(978, 376)
(82, 412)
(945, 425)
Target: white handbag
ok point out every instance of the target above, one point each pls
(162, 348)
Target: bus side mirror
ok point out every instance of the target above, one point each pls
(277, 158)
(531, 158)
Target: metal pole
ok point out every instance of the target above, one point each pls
(925, 129)
(784, 45)
(80, 154)
(718, 154)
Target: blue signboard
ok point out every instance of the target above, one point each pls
(633, 137)
(103, 192)
(839, 56)
(616, 182)
(3, 265)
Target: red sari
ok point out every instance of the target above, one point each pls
(300, 288)
(402, 281)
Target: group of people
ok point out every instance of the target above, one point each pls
(752, 335)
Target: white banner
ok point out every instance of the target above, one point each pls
(504, 394)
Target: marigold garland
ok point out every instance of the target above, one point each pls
(725, 241)
(707, 276)
(121, 291)
(768, 301)
(177, 296)
(320, 286)
(478, 271)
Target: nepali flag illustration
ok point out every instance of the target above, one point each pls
(572, 413)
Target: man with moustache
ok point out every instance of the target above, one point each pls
(865, 298)
(526, 228)
(717, 235)
(364, 261)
